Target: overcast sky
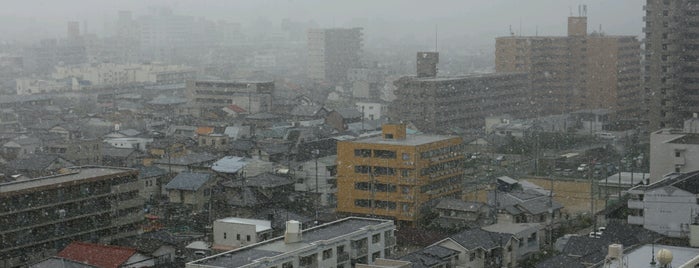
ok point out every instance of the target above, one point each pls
(474, 18)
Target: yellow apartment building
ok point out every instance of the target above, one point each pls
(394, 175)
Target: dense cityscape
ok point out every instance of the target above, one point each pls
(166, 139)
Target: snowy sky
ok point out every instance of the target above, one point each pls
(478, 18)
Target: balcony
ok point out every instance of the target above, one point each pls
(342, 257)
(636, 204)
(358, 252)
(638, 220)
(390, 241)
(135, 202)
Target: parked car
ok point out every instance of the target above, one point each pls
(605, 135)
(582, 167)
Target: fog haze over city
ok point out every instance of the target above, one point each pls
(471, 22)
(343, 134)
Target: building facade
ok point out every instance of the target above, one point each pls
(668, 206)
(332, 53)
(212, 96)
(440, 104)
(577, 71)
(342, 243)
(40, 216)
(670, 61)
(395, 175)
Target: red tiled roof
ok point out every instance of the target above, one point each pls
(236, 108)
(102, 256)
(204, 130)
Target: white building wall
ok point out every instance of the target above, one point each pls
(371, 110)
(669, 211)
(670, 157)
(234, 234)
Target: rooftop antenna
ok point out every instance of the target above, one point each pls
(511, 32)
(584, 10)
(570, 9)
(536, 33)
(579, 11)
(600, 29)
(520, 26)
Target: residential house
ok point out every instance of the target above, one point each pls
(190, 162)
(78, 151)
(152, 178)
(482, 249)
(455, 213)
(231, 233)
(434, 256)
(120, 157)
(212, 138)
(339, 119)
(237, 132)
(191, 189)
(168, 147)
(531, 236)
(21, 147)
(105, 256)
(234, 111)
(308, 112)
(344, 243)
(371, 110)
(259, 191)
(528, 206)
(667, 206)
(38, 165)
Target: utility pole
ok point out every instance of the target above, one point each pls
(316, 152)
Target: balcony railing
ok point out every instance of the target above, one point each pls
(342, 257)
(635, 220)
(358, 252)
(635, 204)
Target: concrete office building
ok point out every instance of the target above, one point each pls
(448, 104)
(40, 216)
(395, 175)
(342, 243)
(332, 53)
(671, 66)
(577, 71)
(212, 96)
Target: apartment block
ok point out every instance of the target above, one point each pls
(671, 67)
(343, 243)
(577, 71)
(332, 53)
(395, 175)
(38, 217)
(451, 104)
(212, 96)
(668, 206)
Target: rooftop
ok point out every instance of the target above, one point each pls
(77, 174)
(410, 140)
(260, 225)
(277, 246)
(641, 257)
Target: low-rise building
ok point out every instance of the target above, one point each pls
(190, 189)
(40, 216)
(667, 206)
(478, 248)
(342, 243)
(456, 214)
(231, 233)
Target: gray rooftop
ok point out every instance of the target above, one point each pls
(277, 246)
(80, 173)
(478, 238)
(229, 164)
(640, 257)
(188, 181)
(410, 140)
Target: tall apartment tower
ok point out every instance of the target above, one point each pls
(577, 71)
(671, 66)
(332, 52)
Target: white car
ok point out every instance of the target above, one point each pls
(582, 167)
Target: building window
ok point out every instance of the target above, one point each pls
(327, 254)
(406, 156)
(388, 136)
(405, 172)
(364, 203)
(472, 256)
(288, 265)
(247, 238)
(376, 238)
(678, 154)
(362, 169)
(237, 237)
(225, 235)
(385, 154)
(362, 152)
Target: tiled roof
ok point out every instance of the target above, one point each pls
(102, 256)
(478, 238)
(188, 181)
